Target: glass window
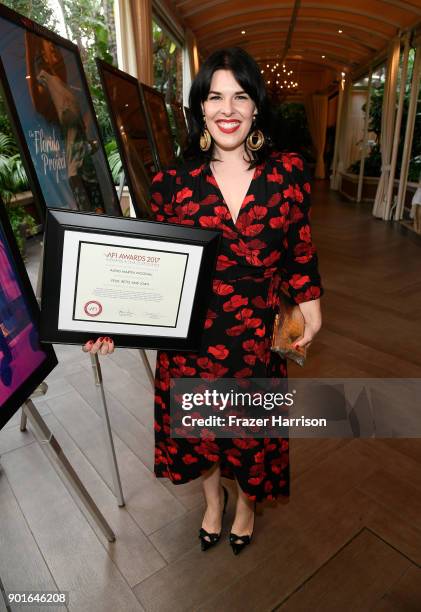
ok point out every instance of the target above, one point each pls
(167, 65)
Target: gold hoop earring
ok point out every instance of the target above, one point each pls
(205, 139)
(255, 140)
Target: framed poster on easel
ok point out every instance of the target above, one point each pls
(133, 133)
(156, 109)
(180, 124)
(188, 115)
(24, 362)
(51, 110)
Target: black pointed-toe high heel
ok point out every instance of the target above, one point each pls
(213, 537)
(238, 546)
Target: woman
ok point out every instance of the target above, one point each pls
(260, 201)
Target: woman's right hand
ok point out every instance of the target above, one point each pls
(104, 346)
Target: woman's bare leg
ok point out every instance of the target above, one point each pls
(244, 514)
(214, 497)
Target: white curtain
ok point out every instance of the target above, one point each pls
(134, 38)
(316, 110)
(190, 63)
(340, 161)
(388, 128)
(191, 46)
(142, 30)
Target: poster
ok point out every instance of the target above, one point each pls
(52, 112)
(24, 363)
(132, 133)
(180, 124)
(157, 111)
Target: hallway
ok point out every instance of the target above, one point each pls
(350, 537)
(372, 307)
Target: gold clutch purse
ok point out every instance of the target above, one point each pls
(288, 327)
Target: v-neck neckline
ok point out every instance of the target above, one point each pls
(243, 203)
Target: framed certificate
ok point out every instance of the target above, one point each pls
(24, 362)
(142, 283)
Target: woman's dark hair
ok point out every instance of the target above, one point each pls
(247, 73)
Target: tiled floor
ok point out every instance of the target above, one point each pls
(348, 539)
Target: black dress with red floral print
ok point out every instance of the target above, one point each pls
(268, 249)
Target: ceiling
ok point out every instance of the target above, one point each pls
(301, 32)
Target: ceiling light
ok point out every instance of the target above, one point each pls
(340, 31)
(262, 71)
(268, 82)
(323, 56)
(243, 31)
(267, 65)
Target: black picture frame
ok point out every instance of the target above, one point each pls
(189, 119)
(133, 133)
(180, 124)
(157, 112)
(60, 141)
(23, 370)
(69, 233)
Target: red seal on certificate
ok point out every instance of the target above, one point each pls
(92, 308)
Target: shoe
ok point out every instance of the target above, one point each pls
(213, 537)
(236, 546)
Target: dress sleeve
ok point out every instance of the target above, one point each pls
(162, 194)
(300, 275)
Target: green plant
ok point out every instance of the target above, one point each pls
(90, 24)
(22, 223)
(13, 179)
(167, 64)
(291, 129)
(114, 160)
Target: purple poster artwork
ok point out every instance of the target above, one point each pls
(20, 352)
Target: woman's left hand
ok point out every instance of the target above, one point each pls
(312, 322)
(103, 346)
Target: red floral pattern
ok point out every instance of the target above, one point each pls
(268, 248)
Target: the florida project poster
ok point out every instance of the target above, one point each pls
(53, 116)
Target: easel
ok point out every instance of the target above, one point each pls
(142, 352)
(102, 402)
(3, 591)
(44, 436)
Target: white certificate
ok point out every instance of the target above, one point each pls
(132, 285)
(144, 286)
